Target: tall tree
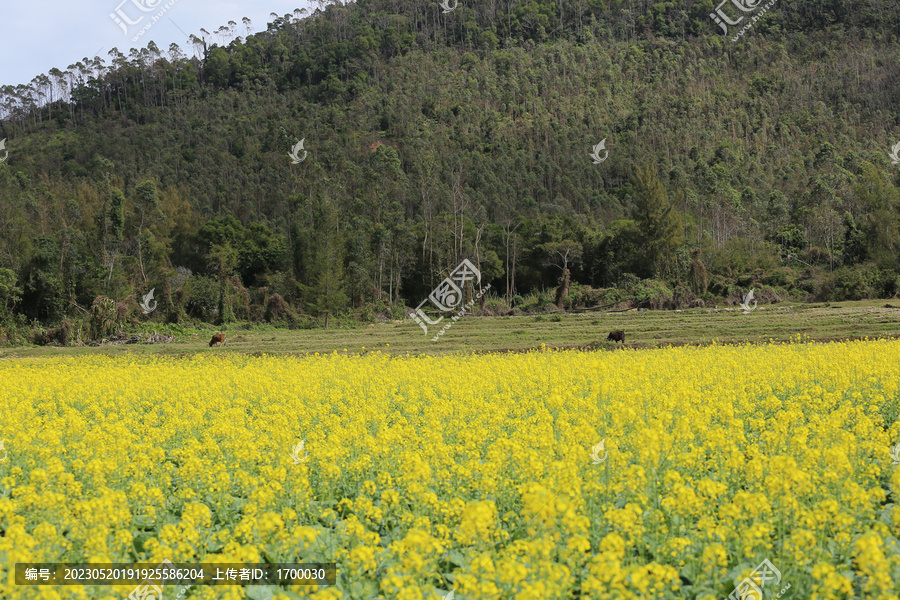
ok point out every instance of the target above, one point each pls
(223, 260)
(328, 292)
(657, 218)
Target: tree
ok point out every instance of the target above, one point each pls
(657, 219)
(697, 273)
(223, 260)
(881, 202)
(620, 252)
(114, 225)
(43, 290)
(561, 255)
(10, 294)
(327, 291)
(147, 205)
(260, 252)
(854, 241)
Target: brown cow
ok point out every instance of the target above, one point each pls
(219, 338)
(616, 336)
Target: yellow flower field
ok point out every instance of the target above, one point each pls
(484, 475)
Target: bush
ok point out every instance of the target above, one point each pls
(684, 297)
(740, 255)
(784, 277)
(105, 317)
(653, 293)
(198, 298)
(584, 296)
(279, 311)
(495, 306)
(10, 294)
(581, 296)
(237, 300)
(537, 301)
(14, 331)
(862, 282)
(60, 336)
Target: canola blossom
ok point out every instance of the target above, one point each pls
(663, 474)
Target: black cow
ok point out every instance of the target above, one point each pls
(616, 336)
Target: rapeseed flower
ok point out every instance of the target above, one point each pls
(472, 473)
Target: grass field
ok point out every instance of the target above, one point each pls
(649, 329)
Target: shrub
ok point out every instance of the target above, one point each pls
(862, 282)
(536, 301)
(279, 311)
(199, 298)
(653, 293)
(104, 318)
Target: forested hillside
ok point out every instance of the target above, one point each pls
(430, 137)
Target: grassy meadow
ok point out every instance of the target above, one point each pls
(588, 330)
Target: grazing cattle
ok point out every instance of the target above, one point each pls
(219, 338)
(616, 336)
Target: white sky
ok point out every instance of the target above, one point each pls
(37, 35)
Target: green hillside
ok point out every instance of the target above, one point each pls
(432, 137)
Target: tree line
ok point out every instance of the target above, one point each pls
(435, 137)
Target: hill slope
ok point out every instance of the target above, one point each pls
(434, 137)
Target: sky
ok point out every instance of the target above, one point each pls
(37, 35)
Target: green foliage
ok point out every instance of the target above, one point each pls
(697, 275)
(327, 291)
(742, 256)
(536, 301)
(42, 287)
(199, 299)
(434, 138)
(256, 250)
(619, 253)
(859, 284)
(10, 294)
(880, 201)
(221, 230)
(103, 318)
(116, 214)
(146, 197)
(653, 294)
(658, 222)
